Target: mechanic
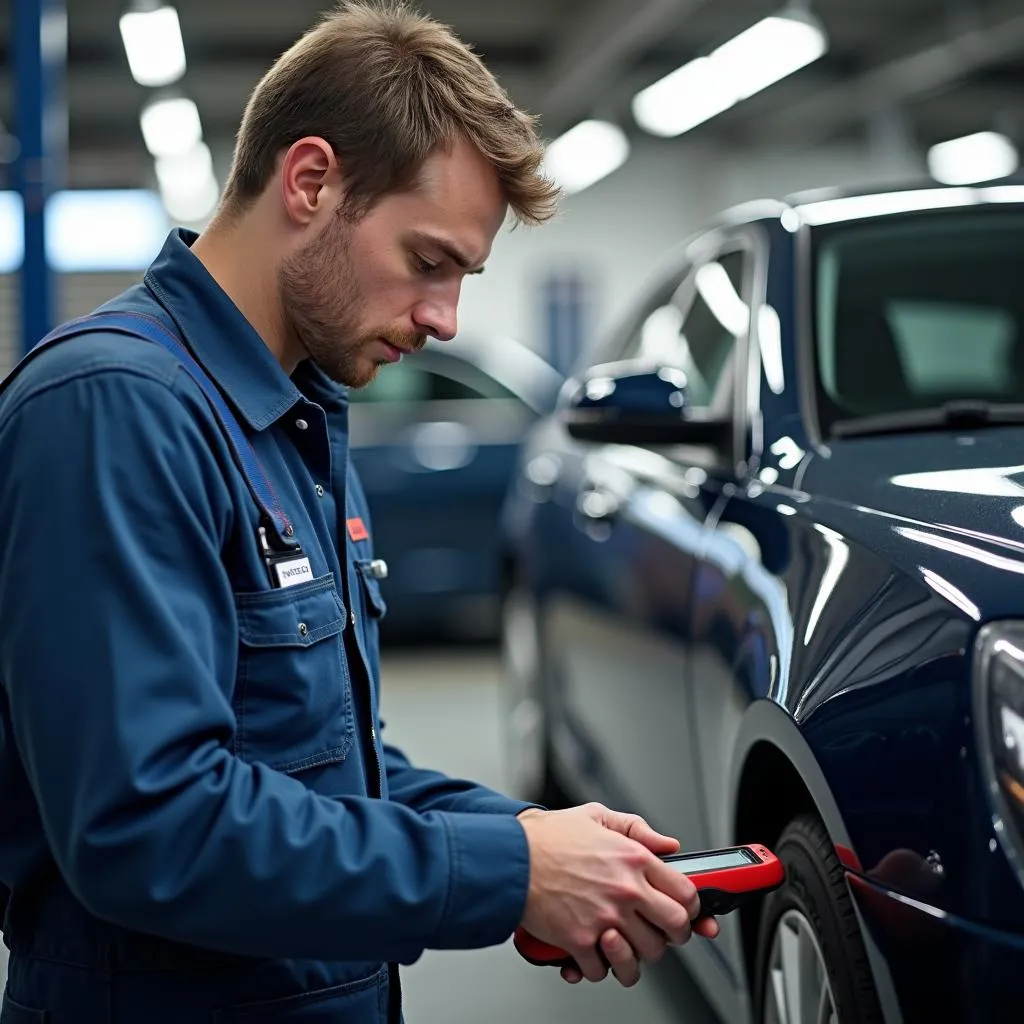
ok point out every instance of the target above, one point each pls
(200, 820)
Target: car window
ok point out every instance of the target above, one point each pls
(695, 327)
(410, 381)
(919, 312)
(929, 338)
(717, 317)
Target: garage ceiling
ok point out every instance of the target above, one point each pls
(935, 68)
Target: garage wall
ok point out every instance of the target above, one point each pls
(613, 234)
(616, 231)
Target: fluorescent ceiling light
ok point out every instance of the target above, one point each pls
(983, 156)
(12, 232)
(769, 51)
(586, 154)
(108, 229)
(171, 127)
(88, 231)
(762, 55)
(187, 184)
(152, 41)
(186, 171)
(682, 100)
(190, 202)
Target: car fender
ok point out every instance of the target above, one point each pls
(766, 722)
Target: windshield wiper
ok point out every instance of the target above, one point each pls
(963, 415)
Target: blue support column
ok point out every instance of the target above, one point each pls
(40, 58)
(565, 300)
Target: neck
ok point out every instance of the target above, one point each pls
(230, 251)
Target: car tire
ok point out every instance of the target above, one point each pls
(809, 925)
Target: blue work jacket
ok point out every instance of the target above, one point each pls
(199, 818)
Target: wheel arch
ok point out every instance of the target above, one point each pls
(775, 776)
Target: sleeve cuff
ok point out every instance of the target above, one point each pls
(489, 876)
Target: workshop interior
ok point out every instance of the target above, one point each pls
(711, 510)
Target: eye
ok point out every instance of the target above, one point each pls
(422, 265)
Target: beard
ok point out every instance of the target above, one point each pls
(324, 309)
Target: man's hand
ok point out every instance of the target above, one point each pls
(599, 891)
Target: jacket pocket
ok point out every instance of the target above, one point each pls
(293, 701)
(364, 1001)
(15, 1013)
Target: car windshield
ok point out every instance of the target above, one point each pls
(917, 316)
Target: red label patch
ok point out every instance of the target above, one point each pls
(357, 529)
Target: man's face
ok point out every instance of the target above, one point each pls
(361, 294)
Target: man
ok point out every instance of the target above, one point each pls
(200, 819)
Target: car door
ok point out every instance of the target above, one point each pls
(622, 631)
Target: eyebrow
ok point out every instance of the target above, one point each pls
(450, 251)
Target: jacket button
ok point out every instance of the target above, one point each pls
(379, 569)
(319, 490)
(303, 629)
(302, 424)
(352, 618)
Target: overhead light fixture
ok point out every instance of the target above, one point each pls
(585, 154)
(767, 52)
(185, 170)
(192, 204)
(152, 42)
(188, 187)
(78, 235)
(171, 126)
(983, 156)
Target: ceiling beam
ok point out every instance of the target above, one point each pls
(594, 51)
(938, 66)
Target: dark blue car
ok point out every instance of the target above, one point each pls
(765, 583)
(435, 439)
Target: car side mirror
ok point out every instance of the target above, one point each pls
(633, 402)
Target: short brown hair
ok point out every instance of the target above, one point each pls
(386, 87)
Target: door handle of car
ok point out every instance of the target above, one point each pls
(598, 503)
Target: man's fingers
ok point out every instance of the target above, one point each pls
(591, 965)
(648, 942)
(707, 926)
(573, 975)
(674, 885)
(635, 828)
(620, 955)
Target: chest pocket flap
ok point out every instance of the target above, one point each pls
(293, 701)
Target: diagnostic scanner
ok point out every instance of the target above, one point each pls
(725, 879)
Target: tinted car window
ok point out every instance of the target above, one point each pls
(716, 318)
(696, 325)
(919, 312)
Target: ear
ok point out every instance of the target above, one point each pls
(310, 179)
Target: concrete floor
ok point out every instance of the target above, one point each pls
(442, 708)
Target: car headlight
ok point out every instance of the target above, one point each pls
(999, 720)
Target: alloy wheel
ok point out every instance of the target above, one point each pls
(799, 988)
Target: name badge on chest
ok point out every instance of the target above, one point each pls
(286, 567)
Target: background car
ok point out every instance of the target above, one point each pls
(763, 584)
(435, 440)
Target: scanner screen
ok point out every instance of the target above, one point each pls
(713, 861)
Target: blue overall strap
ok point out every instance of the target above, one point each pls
(141, 325)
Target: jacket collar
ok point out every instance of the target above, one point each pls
(220, 337)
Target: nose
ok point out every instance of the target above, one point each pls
(438, 317)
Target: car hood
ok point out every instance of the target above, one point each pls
(950, 502)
